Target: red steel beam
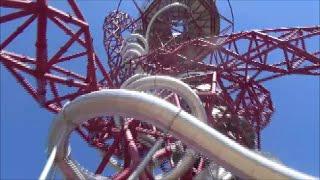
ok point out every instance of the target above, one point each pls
(41, 49)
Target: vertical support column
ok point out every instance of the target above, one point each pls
(91, 76)
(214, 82)
(258, 133)
(41, 50)
(258, 139)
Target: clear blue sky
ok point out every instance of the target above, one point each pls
(292, 136)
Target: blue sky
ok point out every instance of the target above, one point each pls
(292, 136)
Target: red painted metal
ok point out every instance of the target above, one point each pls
(47, 71)
(235, 66)
(241, 63)
(116, 24)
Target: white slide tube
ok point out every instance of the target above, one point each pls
(49, 165)
(206, 140)
(154, 17)
(131, 48)
(133, 78)
(146, 160)
(140, 83)
(135, 37)
(174, 85)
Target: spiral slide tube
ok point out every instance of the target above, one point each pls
(141, 83)
(151, 109)
(154, 17)
(123, 86)
(133, 49)
(132, 79)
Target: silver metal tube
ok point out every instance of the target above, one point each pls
(191, 98)
(182, 167)
(49, 165)
(131, 53)
(133, 45)
(146, 160)
(189, 129)
(131, 48)
(154, 17)
(134, 36)
(133, 78)
(174, 85)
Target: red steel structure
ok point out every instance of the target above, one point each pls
(227, 70)
(240, 71)
(44, 69)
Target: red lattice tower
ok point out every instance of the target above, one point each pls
(233, 67)
(51, 72)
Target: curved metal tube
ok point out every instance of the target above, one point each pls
(191, 98)
(218, 173)
(49, 165)
(183, 165)
(143, 82)
(134, 49)
(151, 109)
(176, 4)
(133, 78)
(131, 53)
(131, 48)
(141, 38)
(133, 45)
(174, 85)
(146, 160)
